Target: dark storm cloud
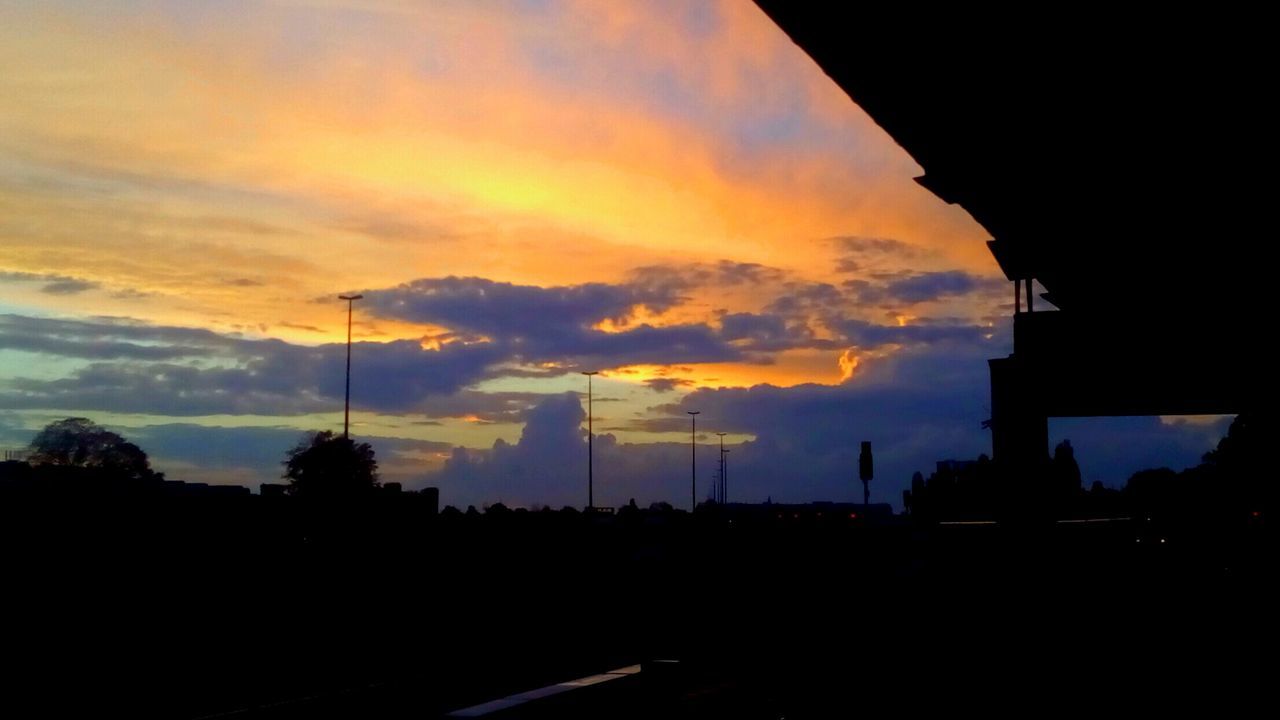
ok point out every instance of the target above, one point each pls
(104, 340)
(921, 404)
(508, 311)
(555, 325)
(547, 465)
(185, 371)
(672, 424)
(719, 273)
(116, 328)
(868, 335)
(861, 254)
(537, 468)
(53, 284)
(917, 407)
(69, 286)
(922, 287)
(490, 407)
(740, 273)
(299, 326)
(858, 245)
(737, 326)
(223, 374)
(647, 345)
(808, 298)
(767, 333)
(667, 384)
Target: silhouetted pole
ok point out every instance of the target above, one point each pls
(346, 405)
(724, 462)
(693, 459)
(720, 480)
(591, 502)
(865, 471)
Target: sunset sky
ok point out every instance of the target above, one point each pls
(671, 193)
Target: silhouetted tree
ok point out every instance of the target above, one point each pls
(1157, 489)
(1237, 468)
(1065, 469)
(1238, 446)
(326, 465)
(80, 442)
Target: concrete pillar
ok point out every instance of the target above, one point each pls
(1019, 424)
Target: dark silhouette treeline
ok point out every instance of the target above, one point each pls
(1232, 488)
(156, 599)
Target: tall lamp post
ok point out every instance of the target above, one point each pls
(725, 464)
(346, 406)
(720, 484)
(693, 459)
(591, 502)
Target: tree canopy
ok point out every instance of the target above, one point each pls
(80, 442)
(323, 464)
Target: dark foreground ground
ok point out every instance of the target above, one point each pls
(188, 611)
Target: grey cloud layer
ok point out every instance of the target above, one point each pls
(540, 325)
(492, 329)
(188, 371)
(52, 284)
(915, 288)
(922, 404)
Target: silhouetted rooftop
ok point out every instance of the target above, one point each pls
(1110, 154)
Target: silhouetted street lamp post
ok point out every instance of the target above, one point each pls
(346, 406)
(720, 481)
(590, 437)
(725, 464)
(693, 459)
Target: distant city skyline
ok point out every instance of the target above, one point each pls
(672, 194)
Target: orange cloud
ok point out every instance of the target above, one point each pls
(226, 172)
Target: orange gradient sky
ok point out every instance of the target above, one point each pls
(234, 166)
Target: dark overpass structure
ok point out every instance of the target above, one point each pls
(1119, 159)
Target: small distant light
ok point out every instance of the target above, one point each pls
(1257, 513)
(1161, 541)
(1137, 540)
(853, 516)
(795, 516)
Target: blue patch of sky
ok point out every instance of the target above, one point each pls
(1111, 449)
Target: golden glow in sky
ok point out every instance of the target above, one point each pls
(233, 167)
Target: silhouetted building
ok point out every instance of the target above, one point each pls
(431, 497)
(1135, 211)
(272, 489)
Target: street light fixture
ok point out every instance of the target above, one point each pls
(590, 437)
(346, 406)
(693, 459)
